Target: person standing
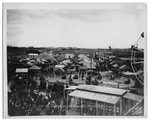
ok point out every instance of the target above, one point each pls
(82, 75)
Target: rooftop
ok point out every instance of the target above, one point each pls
(95, 96)
(104, 90)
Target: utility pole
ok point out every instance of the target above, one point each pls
(91, 65)
(98, 59)
(98, 54)
(91, 70)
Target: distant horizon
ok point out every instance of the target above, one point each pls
(66, 47)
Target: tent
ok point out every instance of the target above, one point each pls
(88, 64)
(43, 60)
(83, 57)
(32, 55)
(129, 73)
(42, 93)
(69, 55)
(30, 63)
(59, 66)
(45, 56)
(21, 70)
(65, 62)
(34, 68)
(140, 72)
(24, 60)
(51, 53)
(125, 68)
(133, 75)
(112, 57)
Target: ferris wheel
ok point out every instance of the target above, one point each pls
(139, 74)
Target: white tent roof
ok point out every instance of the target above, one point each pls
(21, 70)
(44, 56)
(29, 63)
(34, 54)
(83, 57)
(35, 68)
(131, 73)
(59, 66)
(69, 55)
(66, 61)
(87, 64)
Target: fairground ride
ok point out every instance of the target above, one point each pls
(135, 61)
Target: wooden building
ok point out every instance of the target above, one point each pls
(100, 101)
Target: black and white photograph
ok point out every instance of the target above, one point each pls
(74, 59)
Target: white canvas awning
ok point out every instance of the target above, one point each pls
(65, 62)
(133, 74)
(69, 55)
(59, 66)
(21, 70)
(33, 54)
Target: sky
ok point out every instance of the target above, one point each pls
(116, 25)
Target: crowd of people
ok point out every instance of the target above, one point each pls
(36, 99)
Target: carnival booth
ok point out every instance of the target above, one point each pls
(133, 104)
(35, 69)
(22, 72)
(106, 74)
(59, 70)
(21, 76)
(97, 100)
